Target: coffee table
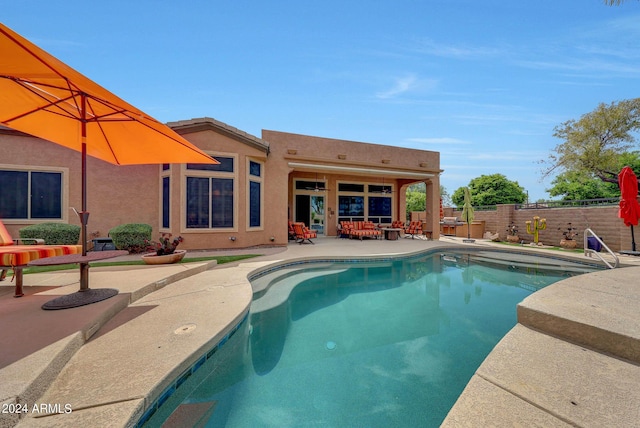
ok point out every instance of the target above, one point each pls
(391, 233)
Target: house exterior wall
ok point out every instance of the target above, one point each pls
(115, 195)
(335, 161)
(217, 144)
(118, 195)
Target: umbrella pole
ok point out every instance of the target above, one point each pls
(633, 240)
(84, 215)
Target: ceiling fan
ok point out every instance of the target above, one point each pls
(317, 188)
(385, 190)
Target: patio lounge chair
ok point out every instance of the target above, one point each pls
(414, 229)
(292, 232)
(303, 233)
(15, 256)
(397, 224)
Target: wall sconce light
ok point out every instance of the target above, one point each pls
(292, 151)
(343, 157)
(232, 238)
(272, 238)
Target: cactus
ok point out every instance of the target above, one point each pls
(534, 227)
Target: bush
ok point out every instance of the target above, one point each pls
(52, 233)
(132, 237)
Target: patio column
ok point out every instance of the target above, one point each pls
(433, 206)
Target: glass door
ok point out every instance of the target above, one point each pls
(317, 214)
(310, 210)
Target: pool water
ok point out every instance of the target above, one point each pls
(389, 343)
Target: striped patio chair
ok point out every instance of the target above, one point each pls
(15, 256)
(414, 229)
(303, 233)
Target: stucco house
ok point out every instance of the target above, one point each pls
(244, 201)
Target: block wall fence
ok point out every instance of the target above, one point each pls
(603, 220)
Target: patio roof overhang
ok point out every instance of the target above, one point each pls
(353, 170)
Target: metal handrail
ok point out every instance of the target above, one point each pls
(588, 251)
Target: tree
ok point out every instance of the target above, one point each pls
(491, 190)
(574, 185)
(416, 201)
(594, 144)
(613, 2)
(417, 198)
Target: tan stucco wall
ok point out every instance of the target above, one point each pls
(603, 220)
(132, 194)
(115, 194)
(288, 148)
(217, 144)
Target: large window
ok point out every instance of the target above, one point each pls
(351, 206)
(210, 195)
(166, 201)
(357, 201)
(30, 194)
(255, 194)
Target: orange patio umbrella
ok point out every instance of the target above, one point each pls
(43, 97)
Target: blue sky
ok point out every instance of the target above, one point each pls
(482, 82)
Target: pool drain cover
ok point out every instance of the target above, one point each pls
(187, 328)
(330, 345)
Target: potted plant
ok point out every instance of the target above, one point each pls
(568, 234)
(512, 233)
(164, 251)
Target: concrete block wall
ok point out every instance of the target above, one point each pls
(603, 221)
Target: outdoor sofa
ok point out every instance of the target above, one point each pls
(360, 229)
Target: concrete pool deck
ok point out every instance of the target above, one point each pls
(573, 358)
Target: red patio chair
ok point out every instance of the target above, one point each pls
(414, 228)
(292, 232)
(303, 233)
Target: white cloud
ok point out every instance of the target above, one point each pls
(407, 84)
(430, 47)
(442, 140)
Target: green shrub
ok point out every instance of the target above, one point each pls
(52, 233)
(133, 237)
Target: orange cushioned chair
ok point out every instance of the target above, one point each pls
(13, 256)
(397, 224)
(303, 233)
(415, 228)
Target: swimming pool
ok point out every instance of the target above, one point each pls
(389, 342)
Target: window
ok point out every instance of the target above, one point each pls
(166, 201)
(254, 205)
(210, 195)
(365, 201)
(351, 187)
(225, 165)
(380, 209)
(351, 206)
(31, 194)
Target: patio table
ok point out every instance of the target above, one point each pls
(85, 295)
(391, 233)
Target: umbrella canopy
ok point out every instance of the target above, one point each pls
(629, 210)
(43, 97)
(467, 211)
